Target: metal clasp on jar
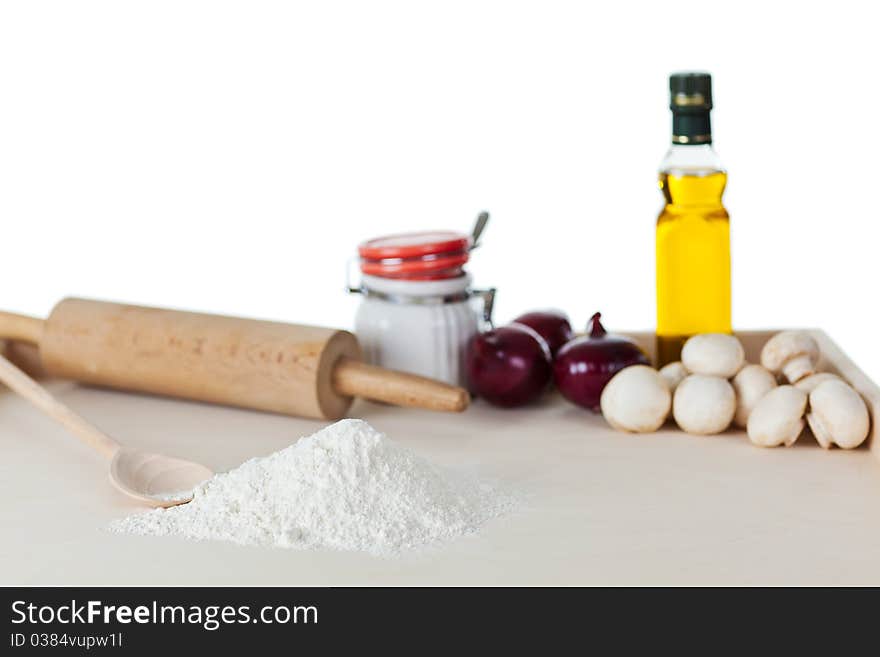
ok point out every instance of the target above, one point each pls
(487, 296)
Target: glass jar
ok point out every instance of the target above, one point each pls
(419, 310)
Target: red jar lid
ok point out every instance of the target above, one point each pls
(430, 255)
(413, 245)
(440, 267)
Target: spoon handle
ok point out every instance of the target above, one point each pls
(37, 395)
(479, 227)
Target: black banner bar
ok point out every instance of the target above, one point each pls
(411, 620)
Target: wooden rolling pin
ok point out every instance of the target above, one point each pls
(269, 366)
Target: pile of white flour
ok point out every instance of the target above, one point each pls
(346, 487)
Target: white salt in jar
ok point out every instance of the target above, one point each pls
(419, 310)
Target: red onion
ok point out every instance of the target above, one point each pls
(585, 365)
(508, 366)
(552, 325)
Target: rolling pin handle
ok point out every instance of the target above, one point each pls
(21, 328)
(358, 379)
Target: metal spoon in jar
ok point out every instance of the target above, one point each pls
(479, 227)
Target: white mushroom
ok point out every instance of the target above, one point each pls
(704, 404)
(778, 419)
(809, 383)
(636, 399)
(673, 373)
(793, 353)
(750, 384)
(838, 415)
(713, 354)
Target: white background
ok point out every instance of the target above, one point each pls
(229, 156)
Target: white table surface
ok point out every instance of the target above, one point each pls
(598, 507)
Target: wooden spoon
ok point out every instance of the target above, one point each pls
(153, 479)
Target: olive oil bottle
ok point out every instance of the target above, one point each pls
(693, 230)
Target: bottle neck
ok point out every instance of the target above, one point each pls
(691, 127)
(697, 159)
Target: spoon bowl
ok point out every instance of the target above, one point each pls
(155, 479)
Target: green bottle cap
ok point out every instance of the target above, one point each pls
(690, 99)
(690, 90)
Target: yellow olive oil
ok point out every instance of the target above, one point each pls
(693, 260)
(693, 230)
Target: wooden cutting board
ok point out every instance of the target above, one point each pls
(598, 506)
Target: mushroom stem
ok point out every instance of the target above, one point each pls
(797, 368)
(823, 437)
